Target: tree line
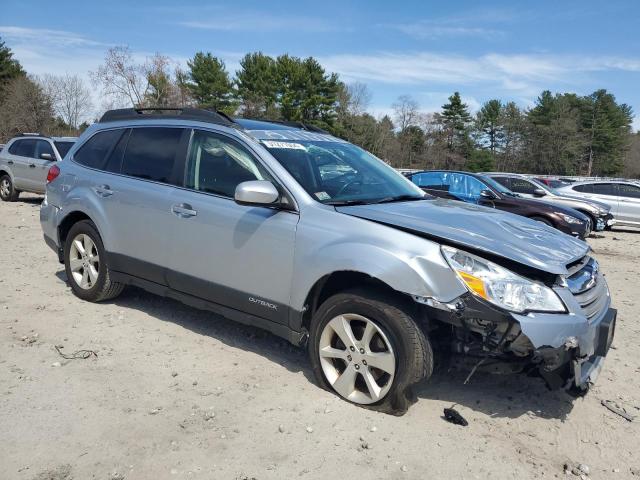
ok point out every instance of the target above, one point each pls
(562, 133)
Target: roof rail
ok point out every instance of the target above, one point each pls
(196, 114)
(30, 134)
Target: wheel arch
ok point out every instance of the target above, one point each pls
(340, 281)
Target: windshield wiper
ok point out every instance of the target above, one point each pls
(341, 203)
(400, 198)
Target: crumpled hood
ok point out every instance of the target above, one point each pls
(504, 234)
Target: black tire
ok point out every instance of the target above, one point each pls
(414, 355)
(13, 194)
(103, 288)
(543, 220)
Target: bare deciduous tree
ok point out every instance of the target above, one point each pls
(25, 108)
(121, 78)
(70, 97)
(405, 112)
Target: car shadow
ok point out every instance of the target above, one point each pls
(499, 396)
(33, 201)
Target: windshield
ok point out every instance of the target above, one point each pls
(541, 185)
(340, 173)
(63, 147)
(497, 186)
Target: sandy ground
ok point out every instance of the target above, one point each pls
(179, 393)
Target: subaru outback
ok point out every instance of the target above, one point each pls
(287, 228)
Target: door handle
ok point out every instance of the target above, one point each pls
(183, 210)
(10, 162)
(32, 165)
(103, 191)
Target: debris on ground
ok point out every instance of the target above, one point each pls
(79, 354)
(451, 415)
(615, 408)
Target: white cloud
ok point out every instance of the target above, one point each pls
(428, 29)
(521, 74)
(258, 22)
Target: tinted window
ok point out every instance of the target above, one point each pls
(520, 185)
(94, 152)
(42, 146)
(629, 191)
(151, 153)
(217, 165)
(23, 148)
(583, 188)
(114, 160)
(504, 181)
(604, 189)
(63, 147)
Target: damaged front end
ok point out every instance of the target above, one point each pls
(566, 349)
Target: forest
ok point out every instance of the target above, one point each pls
(561, 133)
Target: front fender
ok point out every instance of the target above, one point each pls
(405, 262)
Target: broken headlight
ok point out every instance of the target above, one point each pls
(500, 286)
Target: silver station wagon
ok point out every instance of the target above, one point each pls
(287, 228)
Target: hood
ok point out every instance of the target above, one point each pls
(479, 228)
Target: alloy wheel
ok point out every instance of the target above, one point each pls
(84, 261)
(357, 358)
(5, 188)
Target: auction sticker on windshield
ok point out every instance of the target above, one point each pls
(291, 145)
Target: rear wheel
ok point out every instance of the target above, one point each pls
(86, 264)
(8, 192)
(369, 351)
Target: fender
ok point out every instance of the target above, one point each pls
(81, 199)
(406, 262)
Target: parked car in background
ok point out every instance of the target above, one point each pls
(622, 196)
(25, 162)
(598, 212)
(552, 182)
(303, 234)
(483, 190)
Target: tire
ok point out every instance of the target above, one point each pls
(408, 344)
(99, 286)
(544, 220)
(8, 193)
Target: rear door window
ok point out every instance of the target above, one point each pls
(608, 189)
(94, 152)
(23, 148)
(151, 154)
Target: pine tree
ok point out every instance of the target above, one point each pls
(456, 119)
(488, 122)
(10, 68)
(209, 83)
(256, 83)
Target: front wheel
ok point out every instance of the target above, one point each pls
(86, 264)
(369, 350)
(8, 192)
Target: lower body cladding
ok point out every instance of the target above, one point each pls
(567, 350)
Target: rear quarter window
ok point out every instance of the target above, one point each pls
(93, 153)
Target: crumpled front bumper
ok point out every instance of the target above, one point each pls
(603, 222)
(569, 348)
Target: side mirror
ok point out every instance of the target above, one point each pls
(46, 156)
(487, 194)
(256, 192)
(538, 192)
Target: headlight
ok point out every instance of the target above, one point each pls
(569, 218)
(500, 286)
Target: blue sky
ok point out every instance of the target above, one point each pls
(492, 49)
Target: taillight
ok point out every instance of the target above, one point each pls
(54, 171)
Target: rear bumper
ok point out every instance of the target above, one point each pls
(49, 224)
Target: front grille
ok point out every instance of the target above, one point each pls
(589, 288)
